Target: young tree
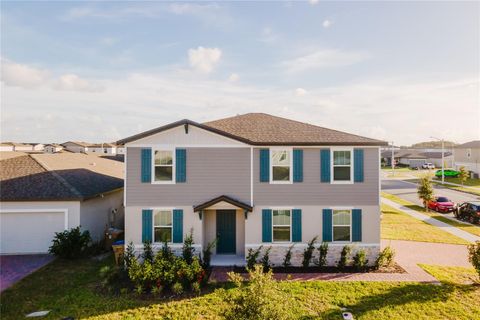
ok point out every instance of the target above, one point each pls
(425, 190)
(463, 175)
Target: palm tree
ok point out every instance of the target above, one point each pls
(425, 190)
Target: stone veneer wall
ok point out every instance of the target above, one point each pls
(176, 249)
(277, 253)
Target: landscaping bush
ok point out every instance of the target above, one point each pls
(266, 259)
(207, 254)
(425, 190)
(252, 257)
(360, 260)
(323, 250)
(288, 257)
(258, 299)
(71, 244)
(385, 258)
(187, 249)
(308, 252)
(113, 278)
(147, 251)
(344, 257)
(474, 255)
(129, 255)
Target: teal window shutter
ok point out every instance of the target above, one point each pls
(266, 225)
(177, 226)
(297, 165)
(146, 165)
(357, 225)
(180, 165)
(325, 165)
(147, 227)
(296, 225)
(327, 225)
(358, 165)
(264, 165)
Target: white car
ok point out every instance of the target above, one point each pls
(428, 165)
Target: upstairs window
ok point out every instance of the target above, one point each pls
(281, 225)
(162, 226)
(281, 162)
(341, 225)
(469, 153)
(342, 166)
(163, 166)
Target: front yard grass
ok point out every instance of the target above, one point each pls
(469, 182)
(457, 224)
(69, 288)
(454, 275)
(475, 191)
(397, 225)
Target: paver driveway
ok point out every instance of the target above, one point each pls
(16, 267)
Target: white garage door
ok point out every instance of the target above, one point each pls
(29, 232)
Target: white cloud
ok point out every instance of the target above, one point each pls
(313, 2)
(21, 75)
(72, 82)
(233, 77)
(325, 58)
(326, 23)
(300, 92)
(204, 59)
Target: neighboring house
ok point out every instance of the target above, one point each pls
(22, 147)
(52, 148)
(253, 180)
(468, 155)
(37, 146)
(76, 146)
(41, 194)
(415, 158)
(7, 146)
(103, 148)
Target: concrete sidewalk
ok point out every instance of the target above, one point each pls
(442, 225)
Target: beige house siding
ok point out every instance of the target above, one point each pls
(471, 163)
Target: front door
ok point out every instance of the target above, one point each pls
(226, 232)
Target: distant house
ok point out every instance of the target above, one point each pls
(103, 148)
(52, 148)
(468, 155)
(22, 147)
(37, 146)
(76, 146)
(415, 158)
(7, 146)
(41, 194)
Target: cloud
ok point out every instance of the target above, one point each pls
(300, 92)
(324, 58)
(268, 35)
(313, 2)
(204, 59)
(72, 82)
(21, 75)
(326, 23)
(233, 77)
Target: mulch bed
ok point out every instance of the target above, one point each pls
(395, 268)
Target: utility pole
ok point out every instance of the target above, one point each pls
(443, 158)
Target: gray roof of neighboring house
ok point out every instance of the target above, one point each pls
(470, 144)
(264, 129)
(61, 177)
(414, 154)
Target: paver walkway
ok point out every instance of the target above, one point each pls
(437, 223)
(16, 267)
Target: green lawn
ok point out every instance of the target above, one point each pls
(468, 182)
(400, 226)
(69, 289)
(454, 275)
(474, 191)
(475, 230)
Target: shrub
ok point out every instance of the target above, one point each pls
(323, 250)
(129, 255)
(360, 260)
(463, 175)
(157, 290)
(288, 256)
(187, 249)
(207, 254)
(252, 257)
(147, 251)
(113, 278)
(474, 255)
(385, 258)
(266, 259)
(260, 298)
(177, 288)
(425, 190)
(344, 257)
(70, 244)
(196, 289)
(308, 252)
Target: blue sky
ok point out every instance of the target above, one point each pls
(101, 71)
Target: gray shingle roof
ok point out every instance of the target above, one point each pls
(470, 144)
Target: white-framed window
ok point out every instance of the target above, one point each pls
(469, 153)
(342, 225)
(280, 165)
(163, 166)
(342, 166)
(281, 225)
(162, 225)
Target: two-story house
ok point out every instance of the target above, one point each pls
(468, 155)
(253, 180)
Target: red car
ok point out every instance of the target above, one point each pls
(442, 204)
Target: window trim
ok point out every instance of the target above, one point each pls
(290, 165)
(282, 225)
(174, 166)
(333, 226)
(332, 166)
(469, 153)
(153, 223)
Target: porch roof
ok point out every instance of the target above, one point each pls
(227, 199)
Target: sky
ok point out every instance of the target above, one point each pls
(101, 71)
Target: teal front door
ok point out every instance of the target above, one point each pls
(226, 228)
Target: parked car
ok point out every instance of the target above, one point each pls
(447, 173)
(442, 204)
(428, 165)
(469, 211)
